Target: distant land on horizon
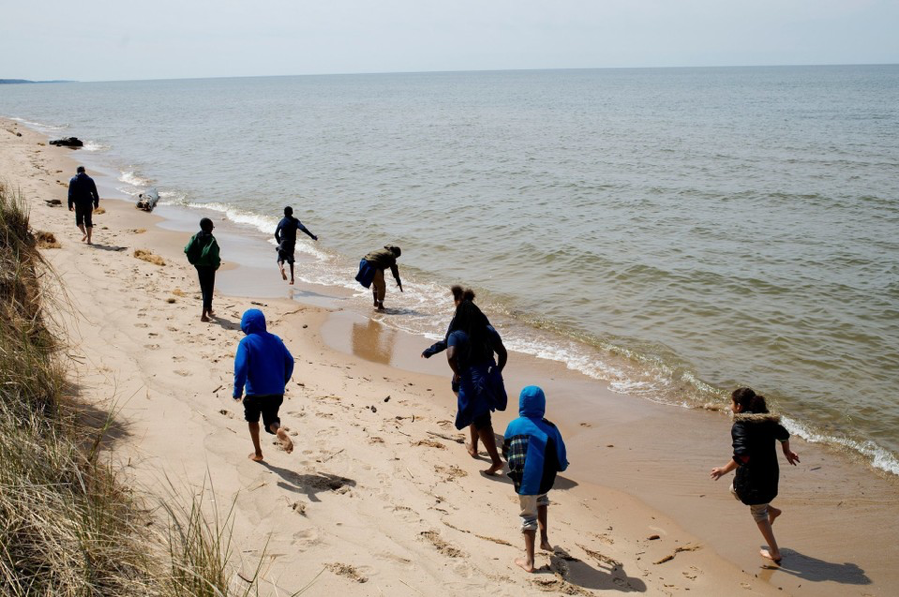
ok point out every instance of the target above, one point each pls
(26, 81)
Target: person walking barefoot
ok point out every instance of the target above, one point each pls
(754, 433)
(286, 237)
(203, 253)
(477, 378)
(83, 200)
(263, 366)
(535, 451)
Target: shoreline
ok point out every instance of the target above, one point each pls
(649, 463)
(596, 361)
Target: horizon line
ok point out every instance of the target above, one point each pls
(451, 71)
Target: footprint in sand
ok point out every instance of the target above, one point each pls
(299, 507)
(434, 538)
(348, 571)
(305, 539)
(182, 372)
(141, 325)
(151, 346)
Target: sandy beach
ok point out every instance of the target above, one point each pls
(379, 496)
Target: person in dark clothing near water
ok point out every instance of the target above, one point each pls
(286, 237)
(263, 365)
(83, 200)
(371, 272)
(459, 294)
(755, 432)
(203, 253)
(471, 344)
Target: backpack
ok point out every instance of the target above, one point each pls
(194, 250)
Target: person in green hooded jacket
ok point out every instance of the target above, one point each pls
(203, 253)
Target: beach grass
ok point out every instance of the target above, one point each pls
(68, 526)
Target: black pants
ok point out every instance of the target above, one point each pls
(207, 284)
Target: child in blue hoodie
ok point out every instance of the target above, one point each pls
(535, 452)
(264, 365)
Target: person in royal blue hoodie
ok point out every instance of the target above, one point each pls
(535, 452)
(264, 365)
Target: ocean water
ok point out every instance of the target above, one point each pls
(676, 232)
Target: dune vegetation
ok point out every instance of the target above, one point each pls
(68, 526)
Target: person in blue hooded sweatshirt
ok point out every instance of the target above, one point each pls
(534, 449)
(263, 365)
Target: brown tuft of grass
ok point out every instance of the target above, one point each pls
(149, 256)
(46, 240)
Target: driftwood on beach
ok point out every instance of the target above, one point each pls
(147, 200)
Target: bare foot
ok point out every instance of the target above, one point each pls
(291, 282)
(255, 457)
(286, 444)
(472, 451)
(545, 545)
(211, 313)
(773, 513)
(89, 242)
(84, 238)
(283, 275)
(490, 472)
(204, 318)
(524, 565)
(776, 558)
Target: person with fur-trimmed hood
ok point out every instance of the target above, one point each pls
(535, 452)
(755, 432)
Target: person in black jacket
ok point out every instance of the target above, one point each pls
(83, 200)
(754, 433)
(286, 237)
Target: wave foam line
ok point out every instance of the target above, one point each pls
(880, 457)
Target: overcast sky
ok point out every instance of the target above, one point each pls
(98, 40)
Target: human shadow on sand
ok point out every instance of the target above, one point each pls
(609, 576)
(108, 247)
(309, 484)
(812, 569)
(225, 323)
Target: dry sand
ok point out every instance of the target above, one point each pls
(380, 497)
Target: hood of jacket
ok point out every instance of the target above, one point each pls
(532, 403)
(252, 322)
(756, 418)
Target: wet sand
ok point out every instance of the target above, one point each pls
(379, 489)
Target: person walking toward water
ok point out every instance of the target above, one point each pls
(83, 200)
(754, 433)
(263, 365)
(286, 237)
(470, 348)
(371, 272)
(203, 253)
(534, 449)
